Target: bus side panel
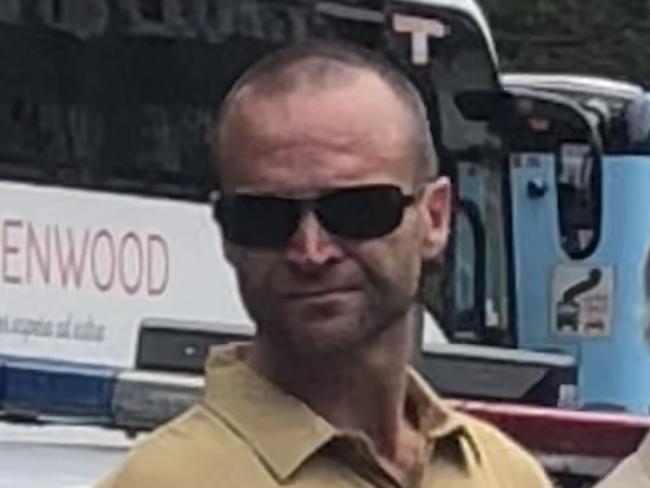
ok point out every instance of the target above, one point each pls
(80, 270)
(614, 359)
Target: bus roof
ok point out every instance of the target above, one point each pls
(590, 85)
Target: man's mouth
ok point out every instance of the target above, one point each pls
(320, 293)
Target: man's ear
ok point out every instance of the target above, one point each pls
(436, 207)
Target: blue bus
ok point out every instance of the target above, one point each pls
(574, 199)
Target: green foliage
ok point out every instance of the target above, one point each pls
(599, 37)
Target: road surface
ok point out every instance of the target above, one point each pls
(58, 456)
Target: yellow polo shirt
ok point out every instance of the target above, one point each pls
(246, 433)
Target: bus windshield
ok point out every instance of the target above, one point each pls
(620, 110)
(118, 98)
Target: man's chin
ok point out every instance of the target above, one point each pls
(326, 336)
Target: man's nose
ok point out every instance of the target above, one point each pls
(311, 244)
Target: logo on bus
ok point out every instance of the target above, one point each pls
(130, 262)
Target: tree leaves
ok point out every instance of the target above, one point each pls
(597, 37)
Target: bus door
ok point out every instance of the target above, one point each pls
(555, 188)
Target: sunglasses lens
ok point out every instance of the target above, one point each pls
(362, 213)
(359, 213)
(257, 221)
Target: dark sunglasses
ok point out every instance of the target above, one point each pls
(265, 221)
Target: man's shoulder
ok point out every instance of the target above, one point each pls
(189, 451)
(509, 461)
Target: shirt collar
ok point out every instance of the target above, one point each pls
(435, 419)
(280, 428)
(284, 431)
(439, 422)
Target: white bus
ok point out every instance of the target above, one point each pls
(81, 269)
(104, 180)
(103, 169)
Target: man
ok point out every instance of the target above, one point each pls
(328, 210)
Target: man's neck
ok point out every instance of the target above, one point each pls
(360, 391)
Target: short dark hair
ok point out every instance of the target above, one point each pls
(327, 63)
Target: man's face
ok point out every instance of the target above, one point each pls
(321, 293)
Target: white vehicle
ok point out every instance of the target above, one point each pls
(81, 269)
(102, 171)
(103, 176)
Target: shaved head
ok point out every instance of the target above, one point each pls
(319, 66)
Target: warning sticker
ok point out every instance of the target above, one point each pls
(582, 300)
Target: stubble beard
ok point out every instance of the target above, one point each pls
(314, 343)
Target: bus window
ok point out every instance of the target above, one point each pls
(637, 120)
(465, 258)
(554, 124)
(152, 10)
(600, 116)
(578, 199)
(480, 258)
(136, 123)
